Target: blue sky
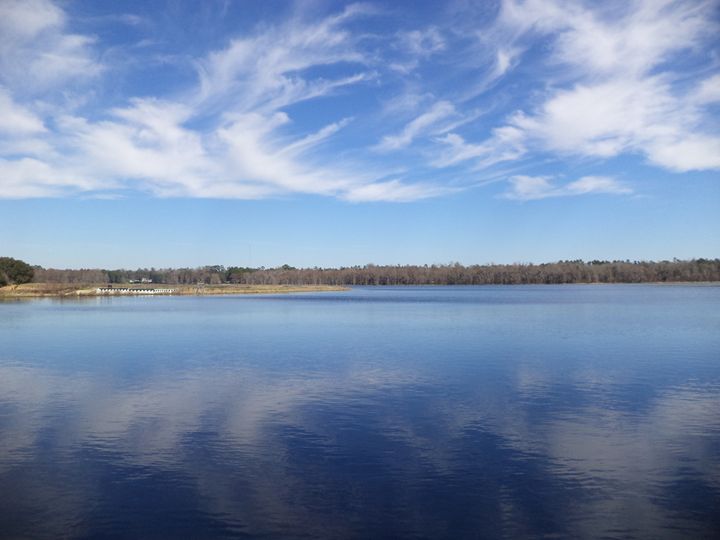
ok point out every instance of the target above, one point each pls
(328, 133)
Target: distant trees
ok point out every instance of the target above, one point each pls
(235, 274)
(15, 271)
(575, 271)
(511, 274)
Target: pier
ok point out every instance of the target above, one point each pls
(133, 290)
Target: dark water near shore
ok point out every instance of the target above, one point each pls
(447, 412)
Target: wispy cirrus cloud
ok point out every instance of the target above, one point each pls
(16, 119)
(507, 143)
(527, 188)
(618, 89)
(243, 150)
(323, 104)
(620, 116)
(395, 191)
(425, 122)
(37, 53)
(416, 46)
(267, 71)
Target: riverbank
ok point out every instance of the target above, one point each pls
(30, 290)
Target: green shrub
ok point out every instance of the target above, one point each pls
(14, 271)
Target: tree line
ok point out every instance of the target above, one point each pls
(576, 271)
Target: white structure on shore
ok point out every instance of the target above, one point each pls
(128, 290)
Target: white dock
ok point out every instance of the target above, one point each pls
(132, 290)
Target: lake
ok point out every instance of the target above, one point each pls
(417, 412)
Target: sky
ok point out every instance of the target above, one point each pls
(310, 133)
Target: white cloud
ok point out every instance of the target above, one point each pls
(422, 42)
(256, 158)
(441, 110)
(144, 142)
(628, 40)
(611, 85)
(394, 191)
(25, 19)
(601, 120)
(526, 188)
(708, 91)
(620, 99)
(415, 46)
(506, 143)
(597, 184)
(36, 53)
(244, 148)
(26, 146)
(503, 62)
(15, 119)
(314, 139)
(686, 153)
(147, 146)
(265, 71)
(29, 177)
(610, 118)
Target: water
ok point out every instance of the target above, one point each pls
(420, 412)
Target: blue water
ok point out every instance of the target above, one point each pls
(417, 412)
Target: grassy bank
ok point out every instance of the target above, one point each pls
(30, 290)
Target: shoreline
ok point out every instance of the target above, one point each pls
(85, 290)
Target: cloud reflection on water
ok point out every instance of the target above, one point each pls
(341, 453)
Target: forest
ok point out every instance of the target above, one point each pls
(576, 271)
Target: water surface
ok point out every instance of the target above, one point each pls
(417, 412)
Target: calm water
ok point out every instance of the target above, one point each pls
(448, 412)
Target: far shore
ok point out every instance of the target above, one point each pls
(65, 290)
(34, 290)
